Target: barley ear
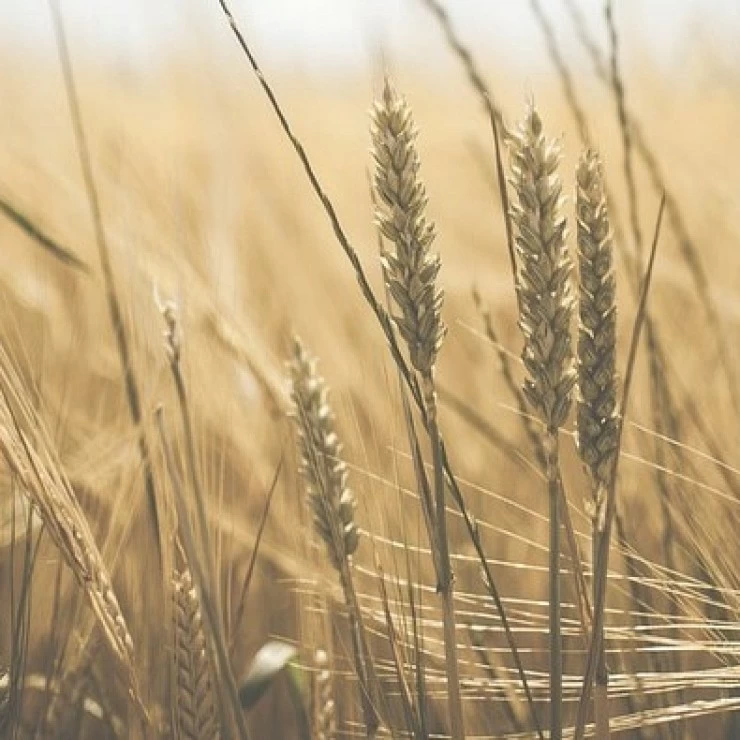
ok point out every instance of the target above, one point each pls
(194, 701)
(410, 269)
(597, 414)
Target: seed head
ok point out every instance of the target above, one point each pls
(332, 502)
(409, 268)
(597, 415)
(543, 282)
(196, 715)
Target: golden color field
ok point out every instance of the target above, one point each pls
(208, 214)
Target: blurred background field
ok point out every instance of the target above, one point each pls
(204, 202)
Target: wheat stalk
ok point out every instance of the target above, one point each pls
(597, 416)
(545, 309)
(115, 308)
(332, 505)
(410, 272)
(194, 702)
(27, 449)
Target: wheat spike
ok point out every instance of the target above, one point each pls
(411, 269)
(597, 428)
(543, 282)
(331, 500)
(597, 415)
(333, 507)
(410, 276)
(195, 715)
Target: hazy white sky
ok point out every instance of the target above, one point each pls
(343, 32)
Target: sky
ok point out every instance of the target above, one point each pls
(316, 34)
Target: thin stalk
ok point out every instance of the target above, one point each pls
(242, 600)
(585, 611)
(555, 634)
(601, 696)
(363, 662)
(114, 304)
(445, 577)
(198, 495)
(32, 230)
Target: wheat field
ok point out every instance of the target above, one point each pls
(227, 509)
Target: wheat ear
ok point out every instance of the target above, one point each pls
(195, 702)
(597, 416)
(332, 505)
(546, 306)
(28, 451)
(410, 270)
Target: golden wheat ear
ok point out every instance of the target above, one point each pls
(195, 715)
(597, 425)
(543, 280)
(543, 284)
(332, 505)
(331, 500)
(597, 414)
(410, 269)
